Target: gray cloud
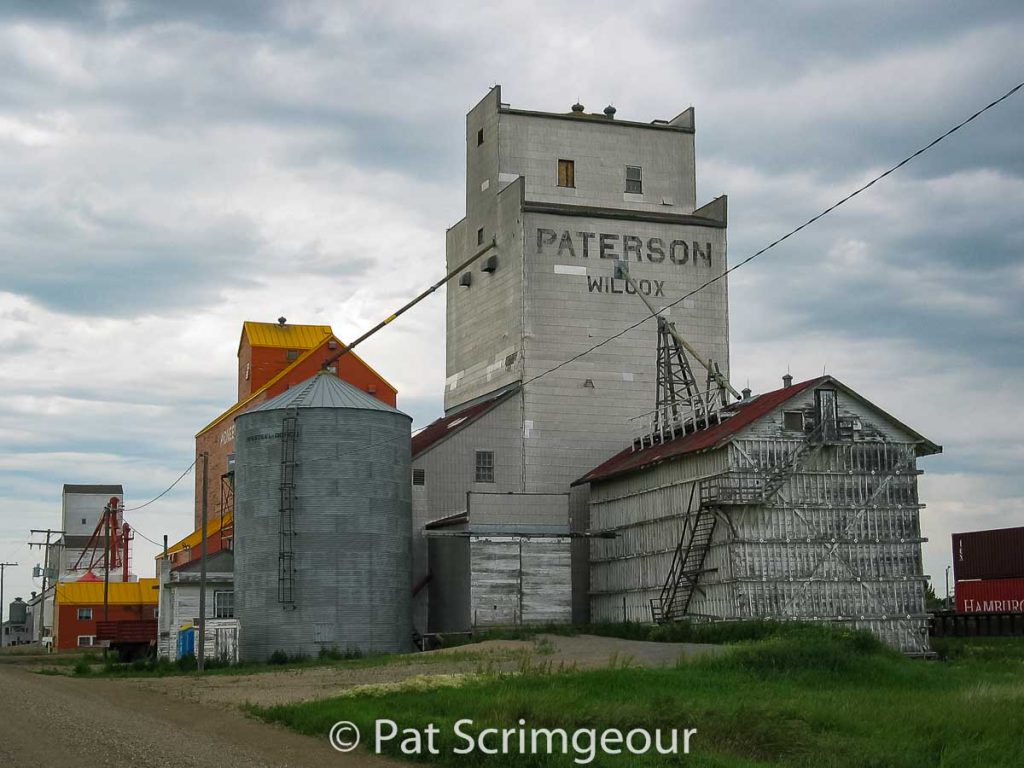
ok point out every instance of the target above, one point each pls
(168, 170)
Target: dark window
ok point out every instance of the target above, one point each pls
(485, 466)
(85, 614)
(480, 137)
(419, 477)
(634, 179)
(292, 354)
(83, 521)
(224, 604)
(480, 236)
(793, 420)
(566, 173)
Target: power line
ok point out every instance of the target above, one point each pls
(696, 290)
(753, 256)
(140, 533)
(789, 234)
(164, 493)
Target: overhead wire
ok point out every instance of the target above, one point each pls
(765, 249)
(917, 153)
(786, 236)
(164, 492)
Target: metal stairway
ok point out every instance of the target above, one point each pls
(688, 562)
(687, 567)
(779, 474)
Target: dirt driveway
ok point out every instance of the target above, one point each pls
(554, 651)
(52, 720)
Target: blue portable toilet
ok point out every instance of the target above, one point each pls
(186, 641)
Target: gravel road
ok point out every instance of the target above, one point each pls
(49, 721)
(56, 720)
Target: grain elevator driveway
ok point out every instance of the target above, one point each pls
(319, 682)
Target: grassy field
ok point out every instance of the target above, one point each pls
(804, 697)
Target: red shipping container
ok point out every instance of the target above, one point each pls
(995, 554)
(990, 596)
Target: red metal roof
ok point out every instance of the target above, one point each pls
(449, 425)
(744, 413)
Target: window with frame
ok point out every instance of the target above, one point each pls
(485, 466)
(634, 179)
(85, 614)
(86, 641)
(793, 421)
(566, 173)
(224, 604)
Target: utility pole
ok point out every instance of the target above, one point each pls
(3, 567)
(106, 563)
(201, 644)
(46, 568)
(947, 587)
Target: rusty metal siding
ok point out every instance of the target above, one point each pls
(994, 554)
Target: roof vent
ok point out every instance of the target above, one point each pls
(609, 112)
(787, 381)
(747, 393)
(577, 107)
(281, 321)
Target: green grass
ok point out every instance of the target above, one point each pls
(679, 632)
(187, 666)
(807, 697)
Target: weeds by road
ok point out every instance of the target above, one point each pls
(799, 697)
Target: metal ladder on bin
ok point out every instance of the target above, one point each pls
(286, 553)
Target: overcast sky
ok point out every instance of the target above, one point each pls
(168, 170)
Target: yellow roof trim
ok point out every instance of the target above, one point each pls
(284, 336)
(237, 406)
(141, 592)
(195, 539)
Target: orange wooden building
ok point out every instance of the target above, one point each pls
(271, 358)
(79, 605)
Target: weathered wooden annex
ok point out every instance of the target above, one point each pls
(801, 504)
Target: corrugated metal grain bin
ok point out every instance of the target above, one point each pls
(995, 554)
(323, 523)
(990, 596)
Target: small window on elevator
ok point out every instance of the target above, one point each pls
(566, 173)
(634, 179)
